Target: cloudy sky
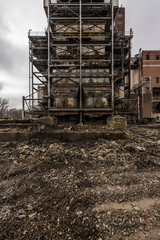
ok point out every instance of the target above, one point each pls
(18, 16)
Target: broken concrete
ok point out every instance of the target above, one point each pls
(69, 136)
(48, 121)
(8, 136)
(95, 189)
(117, 122)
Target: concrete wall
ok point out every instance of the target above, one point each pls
(134, 78)
(147, 106)
(156, 116)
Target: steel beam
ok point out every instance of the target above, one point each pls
(68, 47)
(112, 100)
(49, 80)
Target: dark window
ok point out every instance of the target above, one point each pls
(157, 79)
(156, 107)
(147, 57)
(157, 57)
(120, 21)
(156, 92)
(147, 79)
(120, 14)
(147, 90)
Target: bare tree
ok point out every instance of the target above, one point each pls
(4, 104)
(14, 113)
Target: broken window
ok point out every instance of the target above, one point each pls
(156, 107)
(147, 57)
(156, 92)
(157, 57)
(147, 79)
(157, 79)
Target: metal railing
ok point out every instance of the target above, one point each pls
(30, 103)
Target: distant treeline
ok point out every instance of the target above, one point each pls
(6, 112)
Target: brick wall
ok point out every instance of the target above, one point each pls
(151, 68)
(120, 21)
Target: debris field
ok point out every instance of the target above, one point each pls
(89, 189)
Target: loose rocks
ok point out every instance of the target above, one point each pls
(92, 189)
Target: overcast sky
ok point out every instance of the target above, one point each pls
(18, 16)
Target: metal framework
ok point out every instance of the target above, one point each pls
(79, 65)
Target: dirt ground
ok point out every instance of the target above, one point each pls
(98, 189)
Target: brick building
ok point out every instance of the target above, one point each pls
(145, 75)
(120, 21)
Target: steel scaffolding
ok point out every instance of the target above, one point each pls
(79, 66)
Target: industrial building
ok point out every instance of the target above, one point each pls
(79, 68)
(145, 75)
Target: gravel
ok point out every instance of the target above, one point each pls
(97, 189)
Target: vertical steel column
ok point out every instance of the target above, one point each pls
(80, 57)
(29, 69)
(112, 100)
(23, 107)
(150, 85)
(140, 81)
(49, 80)
(32, 77)
(129, 91)
(122, 61)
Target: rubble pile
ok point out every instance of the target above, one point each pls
(97, 189)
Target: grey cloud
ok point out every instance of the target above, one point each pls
(4, 22)
(1, 85)
(11, 57)
(143, 16)
(18, 16)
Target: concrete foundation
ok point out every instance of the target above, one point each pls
(117, 122)
(65, 136)
(48, 121)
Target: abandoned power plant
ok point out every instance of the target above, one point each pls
(83, 163)
(80, 67)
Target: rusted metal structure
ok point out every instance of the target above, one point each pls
(80, 67)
